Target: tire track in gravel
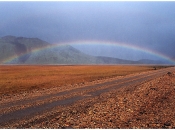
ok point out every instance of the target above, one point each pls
(88, 92)
(14, 106)
(49, 96)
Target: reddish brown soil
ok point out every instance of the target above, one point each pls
(148, 105)
(21, 78)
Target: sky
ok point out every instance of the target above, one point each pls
(147, 24)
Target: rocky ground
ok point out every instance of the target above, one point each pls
(149, 105)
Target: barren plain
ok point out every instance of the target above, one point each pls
(87, 97)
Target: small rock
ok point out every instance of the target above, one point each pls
(169, 73)
(167, 124)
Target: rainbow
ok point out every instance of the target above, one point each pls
(124, 45)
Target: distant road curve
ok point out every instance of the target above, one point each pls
(70, 96)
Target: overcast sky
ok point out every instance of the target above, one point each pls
(144, 24)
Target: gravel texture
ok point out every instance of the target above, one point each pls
(149, 105)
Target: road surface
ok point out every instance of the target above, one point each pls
(16, 110)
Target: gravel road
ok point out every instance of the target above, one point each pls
(18, 111)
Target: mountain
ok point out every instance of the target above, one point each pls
(11, 46)
(25, 51)
(110, 60)
(148, 61)
(21, 50)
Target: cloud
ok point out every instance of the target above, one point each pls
(146, 24)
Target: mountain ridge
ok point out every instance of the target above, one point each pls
(23, 49)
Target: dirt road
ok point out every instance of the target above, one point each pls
(17, 110)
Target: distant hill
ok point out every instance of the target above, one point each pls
(24, 49)
(148, 61)
(110, 60)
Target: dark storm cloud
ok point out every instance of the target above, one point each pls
(147, 24)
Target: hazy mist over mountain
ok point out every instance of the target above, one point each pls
(21, 50)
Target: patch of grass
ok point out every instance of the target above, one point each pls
(14, 79)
